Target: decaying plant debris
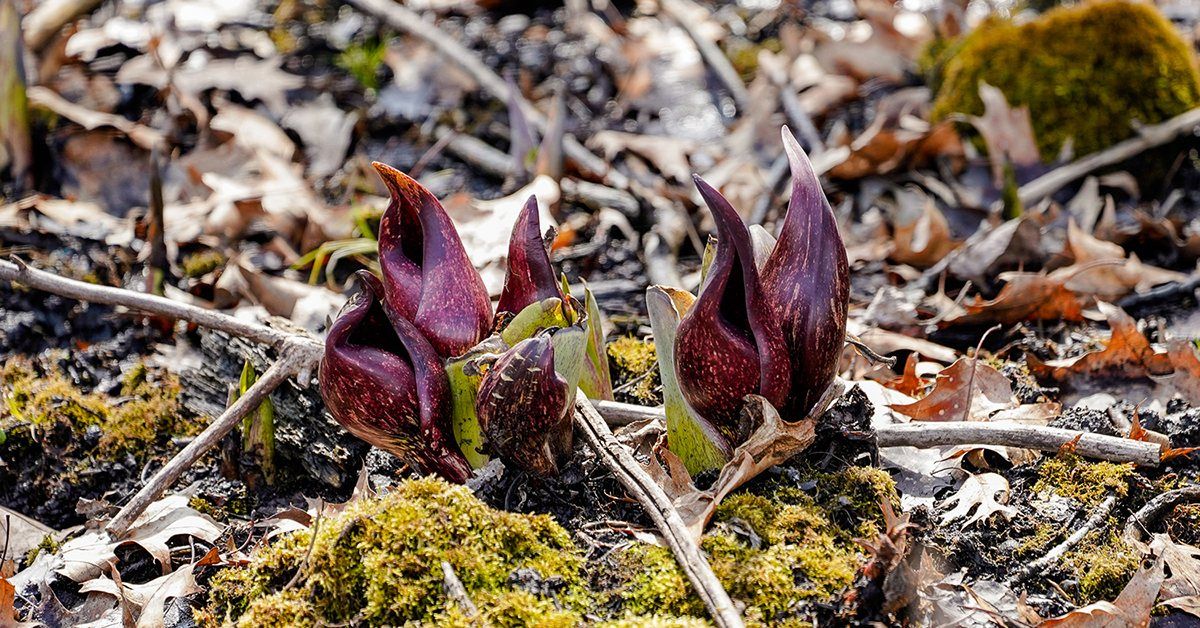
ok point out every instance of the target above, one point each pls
(500, 313)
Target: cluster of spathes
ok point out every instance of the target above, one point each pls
(418, 364)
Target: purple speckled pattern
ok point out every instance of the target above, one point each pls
(524, 407)
(807, 283)
(530, 278)
(428, 278)
(385, 383)
(729, 344)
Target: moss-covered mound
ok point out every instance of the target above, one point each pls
(1086, 72)
(379, 563)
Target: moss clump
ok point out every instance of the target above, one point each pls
(1183, 524)
(146, 412)
(806, 549)
(635, 369)
(202, 263)
(379, 562)
(1086, 72)
(1102, 564)
(1086, 482)
(48, 544)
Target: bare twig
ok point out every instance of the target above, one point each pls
(297, 355)
(947, 433)
(868, 352)
(661, 510)
(404, 19)
(684, 12)
(1148, 137)
(19, 272)
(494, 162)
(48, 17)
(455, 590)
(1145, 518)
(940, 434)
(1095, 521)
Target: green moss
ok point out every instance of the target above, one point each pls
(47, 544)
(743, 55)
(362, 60)
(634, 365)
(807, 549)
(1087, 482)
(147, 412)
(379, 562)
(1086, 72)
(1102, 564)
(202, 263)
(1044, 535)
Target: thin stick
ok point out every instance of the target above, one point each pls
(18, 271)
(1146, 516)
(1148, 137)
(681, 11)
(407, 20)
(48, 17)
(456, 591)
(1052, 557)
(661, 510)
(1050, 439)
(947, 433)
(294, 358)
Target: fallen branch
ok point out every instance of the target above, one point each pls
(1050, 439)
(661, 510)
(1095, 521)
(297, 356)
(408, 21)
(1147, 516)
(49, 16)
(1148, 137)
(18, 271)
(684, 12)
(943, 433)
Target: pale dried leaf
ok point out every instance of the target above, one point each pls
(978, 496)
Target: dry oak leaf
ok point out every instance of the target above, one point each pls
(1181, 589)
(978, 495)
(909, 382)
(1025, 297)
(1126, 355)
(924, 241)
(1131, 608)
(1007, 132)
(967, 390)
(1103, 271)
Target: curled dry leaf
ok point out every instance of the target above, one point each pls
(1181, 589)
(969, 390)
(1126, 355)
(909, 382)
(1104, 272)
(1025, 297)
(1131, 608)
(86, 557)
(924, 241)
(978, 495)
(1007, 131)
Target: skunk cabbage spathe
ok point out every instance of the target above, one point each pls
(427, 277)
(530, 277)
(729, 343)
(806, 280)
(769, 320)
(385, 383)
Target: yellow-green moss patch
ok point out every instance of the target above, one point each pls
(1086, 72)
(379, 562)
(1087, 482)
(1102, 564)
(806, 549)
(635, 367)
(146, 412)
(202, 263)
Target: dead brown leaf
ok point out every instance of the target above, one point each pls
(967, 390)
(1025, 297)
(1126, 355)
(909, 382)
(924, 241)
(1007, 131)
(1131, 608)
